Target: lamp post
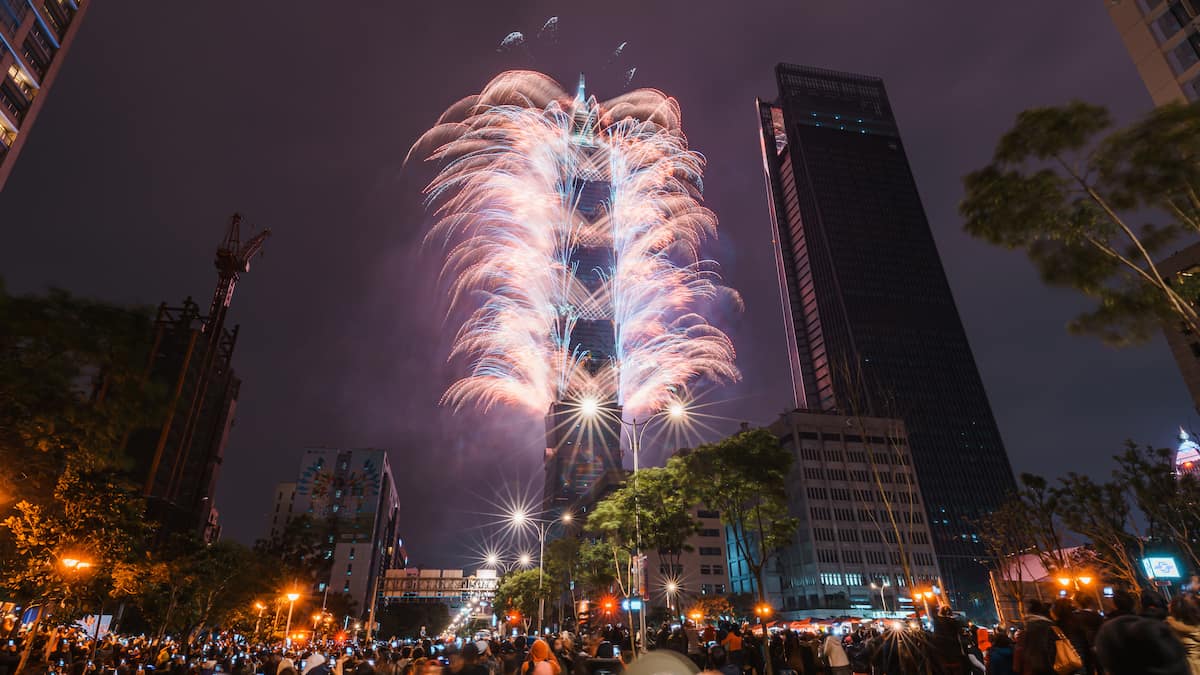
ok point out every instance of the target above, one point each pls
(1084, 580)
(291, 598)
(675, 410)
(924, 596)
(520, 519)
(75, 565)
(880, 586)
(672, 588)
(258, 623)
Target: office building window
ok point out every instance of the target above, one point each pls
(1185, 55)
(710, 550)
(710, 533)
(702, 513)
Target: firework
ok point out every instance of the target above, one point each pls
(573, 233)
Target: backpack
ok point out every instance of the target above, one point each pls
(1066, 659)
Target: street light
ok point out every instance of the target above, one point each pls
(291, 598)
(672, 588)
(880, 586)
(520, 519)
(75, 565)
(676, 410)
(258, 623)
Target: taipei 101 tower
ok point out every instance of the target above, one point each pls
(573, 231)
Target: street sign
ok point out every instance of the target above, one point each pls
(632, 604)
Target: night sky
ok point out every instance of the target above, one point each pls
(168, 117)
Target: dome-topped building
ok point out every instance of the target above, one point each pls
(1187, 457)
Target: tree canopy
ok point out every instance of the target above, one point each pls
(1068, 191)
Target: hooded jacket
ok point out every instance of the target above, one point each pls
(315, 665)
(1189, 635)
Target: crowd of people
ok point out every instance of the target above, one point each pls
(1142, 636)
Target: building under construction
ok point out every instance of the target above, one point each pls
(192, 356)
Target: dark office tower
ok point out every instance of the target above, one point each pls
(871, 323)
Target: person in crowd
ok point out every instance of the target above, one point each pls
(1137, 645)
(1000, 655)
(946, 642)
(718, 660)
(541, 661)
(834, 656)
(1087, 624)
(1184, 621)
(1035, 650)
(732, 645)
(1154, 606)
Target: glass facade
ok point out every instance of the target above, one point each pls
(872, 324)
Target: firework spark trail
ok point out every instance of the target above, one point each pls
(516, 160)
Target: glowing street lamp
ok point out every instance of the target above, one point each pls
(258, 623)
(880, 586)
(291, 598)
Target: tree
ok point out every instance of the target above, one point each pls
(1066, 196)
(650, 511)
(712, 608)
(73, 384)
(1101, 513)
(1170, 502)
(745, 478)
(522, 591)
(1007, 534)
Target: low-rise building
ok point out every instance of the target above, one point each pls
(677, 579)
(863, 545)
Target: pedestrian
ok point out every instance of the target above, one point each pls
(1184, 620)
(1000, 655)
(718, 658)
(1035, 651)
(947, 645)
(732, 644)
(1136, 645)
(1154, 606)
(834, 656)
(1087, 624)
(541, 661)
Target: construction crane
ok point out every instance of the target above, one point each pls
(232, 260)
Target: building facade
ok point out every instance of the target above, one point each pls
(349, 497)
(34, 38)
(676, 580)
(871, 324)
(1184, 344)
(864, 542)
(1163, 39)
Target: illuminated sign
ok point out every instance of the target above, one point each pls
(1161, 568)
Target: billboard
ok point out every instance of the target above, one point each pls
(1161, 567)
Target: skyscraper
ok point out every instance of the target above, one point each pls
(34, 38)
(1163, 39)
(871, 324)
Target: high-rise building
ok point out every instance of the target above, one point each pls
(584, 447)
(872, 328)
(349, 497)
(34, 39)
(864, 542)
(1163, 39)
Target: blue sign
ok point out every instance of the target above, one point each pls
(634, 604)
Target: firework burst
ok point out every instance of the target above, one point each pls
(573, 233)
